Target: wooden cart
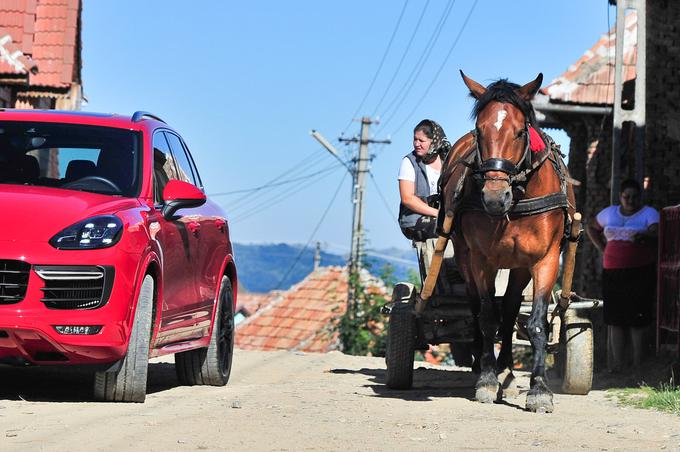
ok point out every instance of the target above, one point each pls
(442, 314)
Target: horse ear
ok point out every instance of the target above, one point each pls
(528, 90)
(475, 88)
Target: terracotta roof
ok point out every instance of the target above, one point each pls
(300, 318)
(250, 303)
(591, 79)
(47, 31)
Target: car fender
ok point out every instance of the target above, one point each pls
(149, 259)
(229, 259)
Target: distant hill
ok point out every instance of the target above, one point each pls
(262, 267)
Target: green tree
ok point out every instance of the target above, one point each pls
(361, 328)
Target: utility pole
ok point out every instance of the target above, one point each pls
(317, 256)
(358, 170)
(359, 187)
(637, 114)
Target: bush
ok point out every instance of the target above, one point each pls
(361, 329)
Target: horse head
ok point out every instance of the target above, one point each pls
(503, 115)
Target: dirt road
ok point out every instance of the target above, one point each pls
(289, 401)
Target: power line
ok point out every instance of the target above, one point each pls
(417, 68)
(403, 57)
(237, 203)
(267, 186)
(436, 76)
(316, 228)
(382, 61)
(382, 197)
(277, 198)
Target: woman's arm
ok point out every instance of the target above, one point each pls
(407, 191)
(596, 233)
(651, 234)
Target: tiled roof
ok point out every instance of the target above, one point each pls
(300, 318)
(49, 32)
(591, 79)
(250, 303)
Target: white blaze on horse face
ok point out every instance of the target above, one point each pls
(500, 118)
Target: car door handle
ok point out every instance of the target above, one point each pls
(221, 224)
(194, 227)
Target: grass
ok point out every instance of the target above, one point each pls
(665, 397)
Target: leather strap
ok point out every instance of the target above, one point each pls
(540, 204)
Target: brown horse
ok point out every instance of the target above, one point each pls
(511, 214)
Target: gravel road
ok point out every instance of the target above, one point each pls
(291, 401)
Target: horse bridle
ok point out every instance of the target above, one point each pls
(513, 171)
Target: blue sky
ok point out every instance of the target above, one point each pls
(245, 82)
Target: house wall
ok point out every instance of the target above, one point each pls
(662, 163)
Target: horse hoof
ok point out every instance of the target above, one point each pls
(486, 394)
(508, 384)
(540, 403)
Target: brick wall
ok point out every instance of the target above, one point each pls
(662, 155)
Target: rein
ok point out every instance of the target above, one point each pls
(516, 175)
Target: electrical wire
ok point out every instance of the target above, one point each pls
(401, 61)
(311, 236)
(382, 61)
(263, 191)
(266, 186)
(382, 197)
(405, 90)
(274, 200)
(439, 71)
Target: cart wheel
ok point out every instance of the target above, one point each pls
(576, 353)
(401, 341)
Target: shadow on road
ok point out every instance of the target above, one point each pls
(427, 383)
(39, 384)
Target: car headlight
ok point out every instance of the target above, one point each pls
(96, 232)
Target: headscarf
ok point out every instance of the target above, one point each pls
(440, 144)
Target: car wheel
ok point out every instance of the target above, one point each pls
(212, 365)
(128, 383)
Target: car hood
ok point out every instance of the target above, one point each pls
(37, 213)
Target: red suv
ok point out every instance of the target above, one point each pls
(110, 252)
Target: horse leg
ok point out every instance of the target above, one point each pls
(518, 280)
(486, 389)
(539, 397)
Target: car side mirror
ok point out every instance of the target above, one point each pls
(177, 195)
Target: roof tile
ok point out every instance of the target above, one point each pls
(48, 31)
(591, 79)
(300, 318)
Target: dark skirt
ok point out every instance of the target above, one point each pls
(629, 295)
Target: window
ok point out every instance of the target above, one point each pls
(183, 166)
(163, 166)
(69, 156)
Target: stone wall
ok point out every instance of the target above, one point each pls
(662, 157)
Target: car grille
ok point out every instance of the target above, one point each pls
(81, 287)
(13, 280)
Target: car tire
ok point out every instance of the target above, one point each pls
(128, 383)
(212, 365)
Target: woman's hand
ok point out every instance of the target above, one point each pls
(650, 235)
(596, 234)
(407, 191)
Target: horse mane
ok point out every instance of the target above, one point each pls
(505, 92)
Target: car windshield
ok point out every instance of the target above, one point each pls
(70, 156)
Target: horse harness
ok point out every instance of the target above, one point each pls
(517, 175)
